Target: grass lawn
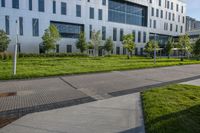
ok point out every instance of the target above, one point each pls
(41, 67)
(172, 109)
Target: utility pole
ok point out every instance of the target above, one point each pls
(15, 48)
(154, 55)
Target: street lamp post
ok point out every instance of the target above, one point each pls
(154, 55)
(15, 49)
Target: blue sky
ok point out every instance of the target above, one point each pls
(193, 8)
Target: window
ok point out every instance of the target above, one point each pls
(41, 5)
(176, 28)
(63, 8)
(54, 7)
(177, 7)
(3, 3)
(69, 48)
(7, 25)
(118, 50)
(168, 4)
(68, 30)
(161, 13)
(181, 29)
(157, 13)
(127, 12)
(152, 11)
(90, 31)
(100, 14)
(35, 26)
(139, 36)
(15, 4)
(104, 2)
(133, 32)
(172, 6)
(121, 34)
(114, 34)
(21, 28)
(144, 37)
(181, 9)
(171, 27)
(30, 5)
(78, 11)
(57, 48)
(103, 33)
(169, 16)
(150, 1)
(160, 2)
(150, 23)
(91, 13)
(154, 24)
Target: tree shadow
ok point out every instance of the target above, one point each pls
(186, 121)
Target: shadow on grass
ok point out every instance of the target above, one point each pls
(186, 121)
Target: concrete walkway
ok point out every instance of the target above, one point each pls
(115, 115)
(57, 92)
(193, 82)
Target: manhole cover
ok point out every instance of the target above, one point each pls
(7, 94)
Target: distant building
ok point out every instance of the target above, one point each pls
(192, 28)
(192, 24)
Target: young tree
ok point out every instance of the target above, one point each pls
(169, 46)
(196, 48)
(184, 45)
(4, 41)
(128, 43)
(149, 48)
(109, 45)
(50, 38)
(96, 41)
(81, 43)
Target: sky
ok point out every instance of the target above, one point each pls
(193, 8)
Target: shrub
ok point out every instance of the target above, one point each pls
(21, 55)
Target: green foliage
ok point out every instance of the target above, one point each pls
(50, 38)
(169, 46)
(81, 43)
(44, 65)
(196, 48)
(109, 45)
(53, 55)
(149, 48)
(129, 43)
(4, 41)
(184, 45)
(96, 41)
(172, 109)
(90, 45)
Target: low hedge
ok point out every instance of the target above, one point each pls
(21, 55)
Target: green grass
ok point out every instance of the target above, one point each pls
(172, 109)
(41, 67)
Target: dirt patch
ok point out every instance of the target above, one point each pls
(7, 94)
(6, 121)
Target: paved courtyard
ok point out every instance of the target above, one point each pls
(115, 115)
(50, 93)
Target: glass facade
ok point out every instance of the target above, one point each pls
(68, 30)
(128, 13)
(162, 39)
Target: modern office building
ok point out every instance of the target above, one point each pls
(192, 24)
(146, 19)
